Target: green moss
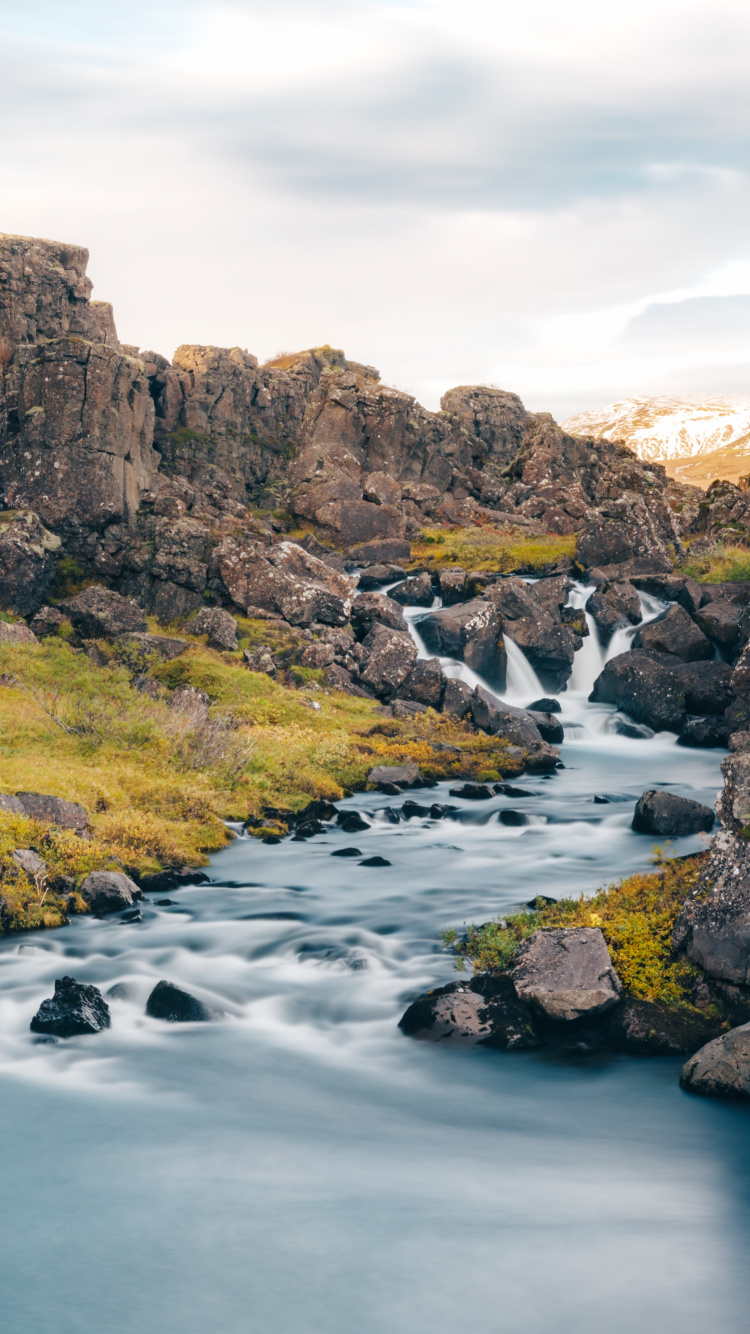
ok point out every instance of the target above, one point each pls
(636, 917)
(723, 563)
(489, 549)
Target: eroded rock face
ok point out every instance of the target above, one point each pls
(27, 562)
(713, 927)
(721, 1069)
(733, 802)
(625, 528)
(646, 689)
(566, 973)
(75, 1008)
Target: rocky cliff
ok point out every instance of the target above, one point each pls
(148, 472)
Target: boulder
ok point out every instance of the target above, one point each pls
(11, 805)
(30, 862)
(674, 632)
(425, 683)
(726, 622)
(375, 576)
(220, 627)
(648, 691)
(138, 648)
(739, 741)
(484, 1012)
(370, 609)
(457, 698)
(566, 973)
(721, 1069)
(100, 613)
(708, 733)
(318, 655)
(53, 810)
(109, 891)
(613, 606)
(284, 579)
(740, 681)
(27, 562)
(538, 631)
(552, 592)
(667, 815)
(650, 1028)
(16, 634)
(390, 550)
(415, 592)
(452, 585)
(671, 588)
(550, 728)
(47, 622)
(402, 775)
(713, 928)
(548, 704)
(469, 631)
(170, 1003)
(75, 1008)
(380, 489)
(621, 531)
(392, 655)
(707, 685)
(495, 717)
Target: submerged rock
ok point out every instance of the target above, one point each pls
(665, 814)
(567, 973)
(75, 1008)
(176, 1006)
(721, 1068)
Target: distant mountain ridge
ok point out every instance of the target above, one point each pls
(697, 440)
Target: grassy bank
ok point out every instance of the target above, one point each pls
(493, 550)
(636, 917)
(158, 784)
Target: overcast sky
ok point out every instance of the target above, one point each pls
(550, 197)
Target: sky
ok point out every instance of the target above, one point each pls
(553, 198)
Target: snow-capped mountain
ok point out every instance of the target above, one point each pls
(669, 428)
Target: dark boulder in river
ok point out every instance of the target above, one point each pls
(721, 1068)
(484, 1012)
(675, 632)
(176, 1006)
(75, 1008)
(646, 689)
(665, 814)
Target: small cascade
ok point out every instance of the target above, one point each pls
(522, 683)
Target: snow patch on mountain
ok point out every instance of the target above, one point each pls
(669, 427)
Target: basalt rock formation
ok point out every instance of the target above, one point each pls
(143, 470)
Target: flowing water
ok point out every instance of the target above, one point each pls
(302, 1168)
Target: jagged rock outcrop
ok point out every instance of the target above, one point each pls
(27, 562)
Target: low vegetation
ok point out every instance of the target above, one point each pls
(159, 783)
(493, 550)
(636, 917)
(721, 563)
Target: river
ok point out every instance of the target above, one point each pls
(301, 1167)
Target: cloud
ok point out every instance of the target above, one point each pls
(489, 191)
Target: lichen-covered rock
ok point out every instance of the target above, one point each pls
(613, 606)
(625, 529)
(370, 609)
(646, 689)
(670, 816)
(285, 579)
(710, 733)
(27, 562)
(650, 1028)
(707, 685)
(54, 810)
(536, 629)
(139, 647)
(452, 586)
(100, 613)
(47, 621)
(726, 621)
(733, 803)
(109, 891)
(415, 592)
(721, 1069)
(76, 1008)
(424, 684)
(566, 973)
(457, 698)
(392, 655)
(497, 718)
(713, 927)
(220, 627)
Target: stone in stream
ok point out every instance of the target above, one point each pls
(675, 632)
(707, 685)
(109, 891)
(438, 811)
(644, 688)
(513, 818)
(370, 609)
(375, 861)
(411, 810)
(509, 790)
(484, 1012)
(551, 728)
(351, 822)
(613, 606)
(319, 809)
(472, 792)
(159, 881)
(452, 586)
(402, 775)
(346, 852)
(708, 732)
(469, 631)
(176, 1006)
(548, 704)
(374, 576)
(415, 592)
(666, 814)
(566, 973)
(721, 1069)
(75, 1008)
